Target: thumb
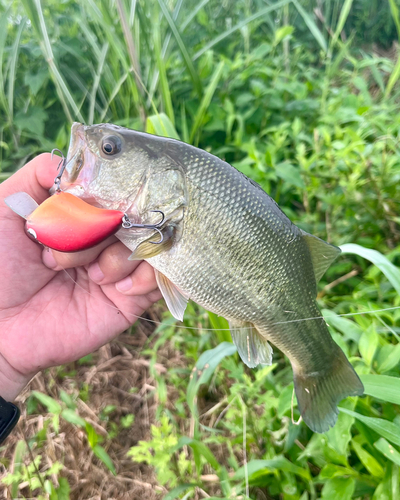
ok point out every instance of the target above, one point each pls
(35, 178)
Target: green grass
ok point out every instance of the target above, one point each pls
(304, 106)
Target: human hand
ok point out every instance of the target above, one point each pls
(49, 316)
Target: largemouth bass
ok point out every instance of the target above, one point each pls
(226, 245)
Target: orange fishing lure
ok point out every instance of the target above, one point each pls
(64, 222)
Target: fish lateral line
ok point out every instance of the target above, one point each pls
(194, 328)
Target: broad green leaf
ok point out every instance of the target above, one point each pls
(387, 449)
(51, 404)
(368, 344)
(202, 449)
(205, 368)
(388, 489)
(63, 490)
(161, 125)
(173, 494)
(332, 470)
(369, 462)
(220, 326)
(386, 429)
(91, 435)
(73, 418)
(338, 488)
(349, 329)
(388, 357)
(382, 387)
(279, 463)
(282, 33)
(391, 272)
(101, 453)
(338, 437)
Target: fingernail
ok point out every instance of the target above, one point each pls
(124, 285)
(95, 273)
(48, 259)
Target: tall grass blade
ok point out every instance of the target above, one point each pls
(192, 15)
(311, 26)
(167, 39)
(391, 272)
(130, 45)
(240, 25)
(96, 82)
(205, 102)
(186, 58)
(396, 16)
(166, 94)
(13, 67)
(132, 12)
(113, 95)
(3, 36)
(344, 14)
(394, 76)
(35, 9)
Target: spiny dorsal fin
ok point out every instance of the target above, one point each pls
(322, 254)
(252, 348)
(174, 298)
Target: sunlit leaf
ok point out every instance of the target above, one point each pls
(386, 429)
(382, 387)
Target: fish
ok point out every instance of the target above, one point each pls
(226, 245)
(65, 222)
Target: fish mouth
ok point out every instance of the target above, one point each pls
(80, 167)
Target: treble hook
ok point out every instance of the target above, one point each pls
(61, 167)
(127, 224)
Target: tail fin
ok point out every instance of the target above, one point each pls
(318, 393)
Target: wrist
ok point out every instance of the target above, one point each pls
(11, 381)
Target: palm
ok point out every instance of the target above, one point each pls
(67, 319)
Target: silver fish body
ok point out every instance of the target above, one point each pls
(227, 246)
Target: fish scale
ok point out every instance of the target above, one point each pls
(227, 246)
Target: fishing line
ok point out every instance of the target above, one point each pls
(158, 323)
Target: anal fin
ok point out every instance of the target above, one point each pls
(174, 298)
(252, 347)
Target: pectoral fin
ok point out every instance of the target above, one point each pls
(252, 348)
(150, 248)
(322, 254)
(21, 203)
(175, 299)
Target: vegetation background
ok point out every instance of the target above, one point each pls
(300, 95)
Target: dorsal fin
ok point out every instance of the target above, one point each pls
(322, 254)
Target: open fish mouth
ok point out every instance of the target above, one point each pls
(81, 166)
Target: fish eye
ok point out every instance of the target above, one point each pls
(111, 145)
